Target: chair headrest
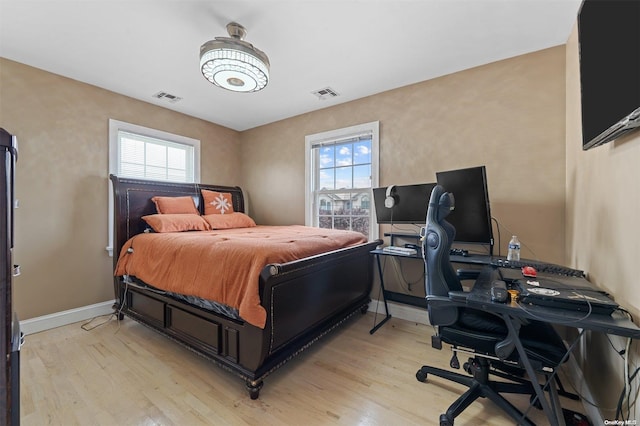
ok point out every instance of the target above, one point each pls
(441, 203)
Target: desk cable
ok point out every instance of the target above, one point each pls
(498, 230)
(498, 225)
(399, 272)
(553, 375)
(626, 392)
(400, 228)
(627, 378)
(560, 319)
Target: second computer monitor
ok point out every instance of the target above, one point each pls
(472, 214)
(409, 205)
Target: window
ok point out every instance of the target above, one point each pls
(341, 170)
(143, 153)
(140, 152)
(152, 158)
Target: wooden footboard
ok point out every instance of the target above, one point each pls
(304, 299)
(300, 296)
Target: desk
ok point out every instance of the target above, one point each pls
(393, 296)
(501, 261)
(480, 297)
(478, 260)
(420, 302)
(514, 315)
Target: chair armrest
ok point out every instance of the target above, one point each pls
(458, 296)
(503, 348)
(468, 274)
(438, 301)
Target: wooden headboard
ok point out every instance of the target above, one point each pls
(132, 200)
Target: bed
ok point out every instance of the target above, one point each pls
(302, 300)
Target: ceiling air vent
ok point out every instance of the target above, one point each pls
(168, 96)
(325, 93)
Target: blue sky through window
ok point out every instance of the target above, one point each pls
(345, 165)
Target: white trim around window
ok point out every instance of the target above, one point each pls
(334, 137)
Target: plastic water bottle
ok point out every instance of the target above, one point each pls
(514, 249)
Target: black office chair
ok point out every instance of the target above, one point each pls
(482, 334)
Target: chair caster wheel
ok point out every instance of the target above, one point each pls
(421, 375)
(445, 420)
(454, 363)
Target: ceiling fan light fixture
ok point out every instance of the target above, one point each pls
(234, 64)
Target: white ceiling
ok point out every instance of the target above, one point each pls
(358, 48)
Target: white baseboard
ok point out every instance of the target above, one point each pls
(401, 311)
(58, 319)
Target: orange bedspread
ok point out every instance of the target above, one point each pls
(224, 265)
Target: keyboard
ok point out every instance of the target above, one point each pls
(539, 266)
(458, 252)
(404, 251)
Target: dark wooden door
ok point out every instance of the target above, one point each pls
(9, 373)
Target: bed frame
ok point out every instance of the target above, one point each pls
(304, 299)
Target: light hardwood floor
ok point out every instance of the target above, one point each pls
(126, 374)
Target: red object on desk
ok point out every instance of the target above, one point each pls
(529, 271)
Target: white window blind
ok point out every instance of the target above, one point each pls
(144, 153)
(152, 158)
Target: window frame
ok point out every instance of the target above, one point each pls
(115, 127)
(336, 137)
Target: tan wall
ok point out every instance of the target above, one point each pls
(507, 115)
(61, 225)
(603, 232)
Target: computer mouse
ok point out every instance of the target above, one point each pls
(529, 271)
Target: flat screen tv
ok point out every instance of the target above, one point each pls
(472, 213)
(409, 206)
(609, 45)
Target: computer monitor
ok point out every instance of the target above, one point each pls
(472, 214)
(409, 206)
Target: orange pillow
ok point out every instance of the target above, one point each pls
(176, 222)
(229, 220)
(217, 202)
(175, 205)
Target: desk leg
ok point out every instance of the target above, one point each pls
(384, 299)
(555, 401)
(552, 410)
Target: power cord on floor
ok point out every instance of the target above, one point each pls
(87, 325)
